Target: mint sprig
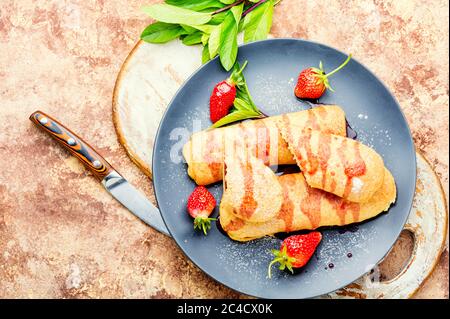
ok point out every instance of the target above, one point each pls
(214, 24)
(243, 106)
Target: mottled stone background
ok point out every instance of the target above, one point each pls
(62, 235)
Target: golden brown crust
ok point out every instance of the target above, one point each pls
(311, 208)
(204, 152)
(336, 164)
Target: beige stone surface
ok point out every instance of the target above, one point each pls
(63, 236)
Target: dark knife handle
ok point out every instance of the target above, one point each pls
(74, 144)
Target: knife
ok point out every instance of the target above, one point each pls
(114, 183)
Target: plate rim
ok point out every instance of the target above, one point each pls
(163, 118)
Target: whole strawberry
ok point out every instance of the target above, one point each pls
(295, 251)
(312, 82)
(200, 205)
(223, 95)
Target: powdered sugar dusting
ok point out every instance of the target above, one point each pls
(275, 96)
(249, 257)
(363, 116)
(357, 185)
(371, 135)
(336, 244)
(252, 258)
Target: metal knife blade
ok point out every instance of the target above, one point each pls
(114, 183)
(132, 199)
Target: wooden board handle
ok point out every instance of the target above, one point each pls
(73, 143)
(427, 222)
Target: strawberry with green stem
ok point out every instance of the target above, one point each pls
(295, 251)
(224, 94)
(243, 106)
(200, 205)
(313, 82)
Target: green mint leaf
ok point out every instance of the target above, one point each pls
(206, 28)
(244, 94)
(235, 116)
(196, 5)
(258, 22)
(214, 41)
(160, 32)
(194, 38)
(237, 12)
(188, 28)
(171, 14)
(205, 54)
(228, 46)
(236, 76)
(227, 1)
(240, 104)
(241, 25)
(205, 39)
(218, 18)
(242, 91)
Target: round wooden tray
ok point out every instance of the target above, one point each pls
(147, 81)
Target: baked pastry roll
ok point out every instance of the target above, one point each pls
(204, 152)
(333, 163)
(257, 203)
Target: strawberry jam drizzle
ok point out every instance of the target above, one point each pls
(311, 162)
(289, 138)
(215, 167)
(342, 207)
(262, 141)
(341, 154)
(287, 126)
(310, 205)
(304, 142)
(311, 159)
(357, 168)
(286, 212)
(240, 144)
(312, 123)
(322, 112)
(351, 133)
(333, 185)
(234, 225)
(324, 155)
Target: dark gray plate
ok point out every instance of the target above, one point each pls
(271, 75)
